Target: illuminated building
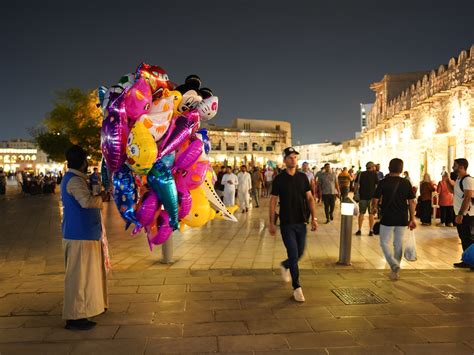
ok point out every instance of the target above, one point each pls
(424, 118)
(249, 141)
(320, 153)
(22, 155)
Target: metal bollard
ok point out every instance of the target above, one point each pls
(345, 244)
(167, 251)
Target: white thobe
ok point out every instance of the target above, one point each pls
(230, 183)
(245, 184)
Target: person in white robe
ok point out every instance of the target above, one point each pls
(245, 185)
(230, 182)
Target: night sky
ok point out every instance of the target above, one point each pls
(307, 62)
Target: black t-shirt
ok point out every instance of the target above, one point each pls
(367, 181)
(396, 214)
(292, 192)
(218, 185)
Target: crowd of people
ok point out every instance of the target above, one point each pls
(30, 183)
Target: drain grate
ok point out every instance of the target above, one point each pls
(358, 296)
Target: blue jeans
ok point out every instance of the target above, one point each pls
(385, 238)
(294, 238)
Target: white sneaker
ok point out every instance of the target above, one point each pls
(298, 295)
(285, 274)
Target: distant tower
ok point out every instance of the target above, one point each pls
(364, 111)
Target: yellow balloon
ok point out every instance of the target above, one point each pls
(200, 211)
(177, 97)
(141, 149)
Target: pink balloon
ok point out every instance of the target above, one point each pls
(189, 156)
(138, 99)
(193, 177)
(146, 212)
(114, 133)
(185, 202)
(181, 131)
(161, 232)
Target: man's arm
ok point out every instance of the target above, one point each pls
(312, 208)
(450, 184)
(271, 215)
(412, 209)
(77, 187)
(375, 203)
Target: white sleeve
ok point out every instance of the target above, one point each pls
(468, 183)
(78, 188)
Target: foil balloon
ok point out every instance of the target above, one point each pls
(156, 78)
(200, 212)
(157, 123)
(127, 81)
(181, 132)
(104, 175)
(138, 99)
(147, 208)
(177, 97)
(161, 181)
(141, 149)
(114, 133)
(101, 91)
(194, 176)
(160, 231)
(207, 108)
(214, 199)
(189, 155)
(185, 202)
(202, 134)
(125, 194)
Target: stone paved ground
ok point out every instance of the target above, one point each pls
(223, 294)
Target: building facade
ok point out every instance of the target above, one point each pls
(364, 110)
(249, 141)
(23, 155)
(320, 153)
(424, 118)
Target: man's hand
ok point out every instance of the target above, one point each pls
(458, 219)
(412, 225)
(314, 225)
(272, 229)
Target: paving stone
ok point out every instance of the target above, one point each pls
(157, 306)
(186, 280)
(318, 340)
(169, 296)
(400, 321)
(321, 351)
(358, 310)
(149, 331)
(124, 318)
(212, 304)
(116, 347)
(345, 323)
(23, 334)
(436, 349)
(181, 345)
(161, 288)
(142, 281)
(252, 342)
(364, 350)
(446, 334)
(243, 315)
(35, 348)
(389, 336)
(215, 328)
(460, 319)
(98, 332)
(275, 326)
(134, 297)
(12, 322)
(301, 312)
(214, 287)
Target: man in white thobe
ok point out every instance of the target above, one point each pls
(245, 185)
(230, 182)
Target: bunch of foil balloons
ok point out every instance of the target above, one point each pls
(156, 154)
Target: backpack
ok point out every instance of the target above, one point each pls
(462, 189)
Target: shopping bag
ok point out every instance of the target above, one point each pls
(468, 255)
(410, 247)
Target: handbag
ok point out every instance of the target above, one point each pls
(410, 247)
(376, 227)
(468, 255)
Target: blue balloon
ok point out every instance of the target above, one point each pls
(101, 93)
(125, 195)
(205, 140)
(168, 160)
(162, 182)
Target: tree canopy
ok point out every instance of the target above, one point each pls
(74, 119)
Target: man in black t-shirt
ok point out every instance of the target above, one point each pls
(365, 185)
(398, 202)
(296, 202)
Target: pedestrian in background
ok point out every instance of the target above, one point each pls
(268, 180)
(3, 182)
(230, 182)
(344, 180)
(426, 197)
(463, 191)
(257, 183)
(218, 185)
(398, 202)
(312, 183)
(445, 202)
(244, 188)
(94, 180)
(329, 190)
(85, 282)
(296, 203)
(364, 188)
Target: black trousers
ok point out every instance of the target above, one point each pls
(447, 214)
(464, 232)
(425, 211)
(329, 204)
(294, 238)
